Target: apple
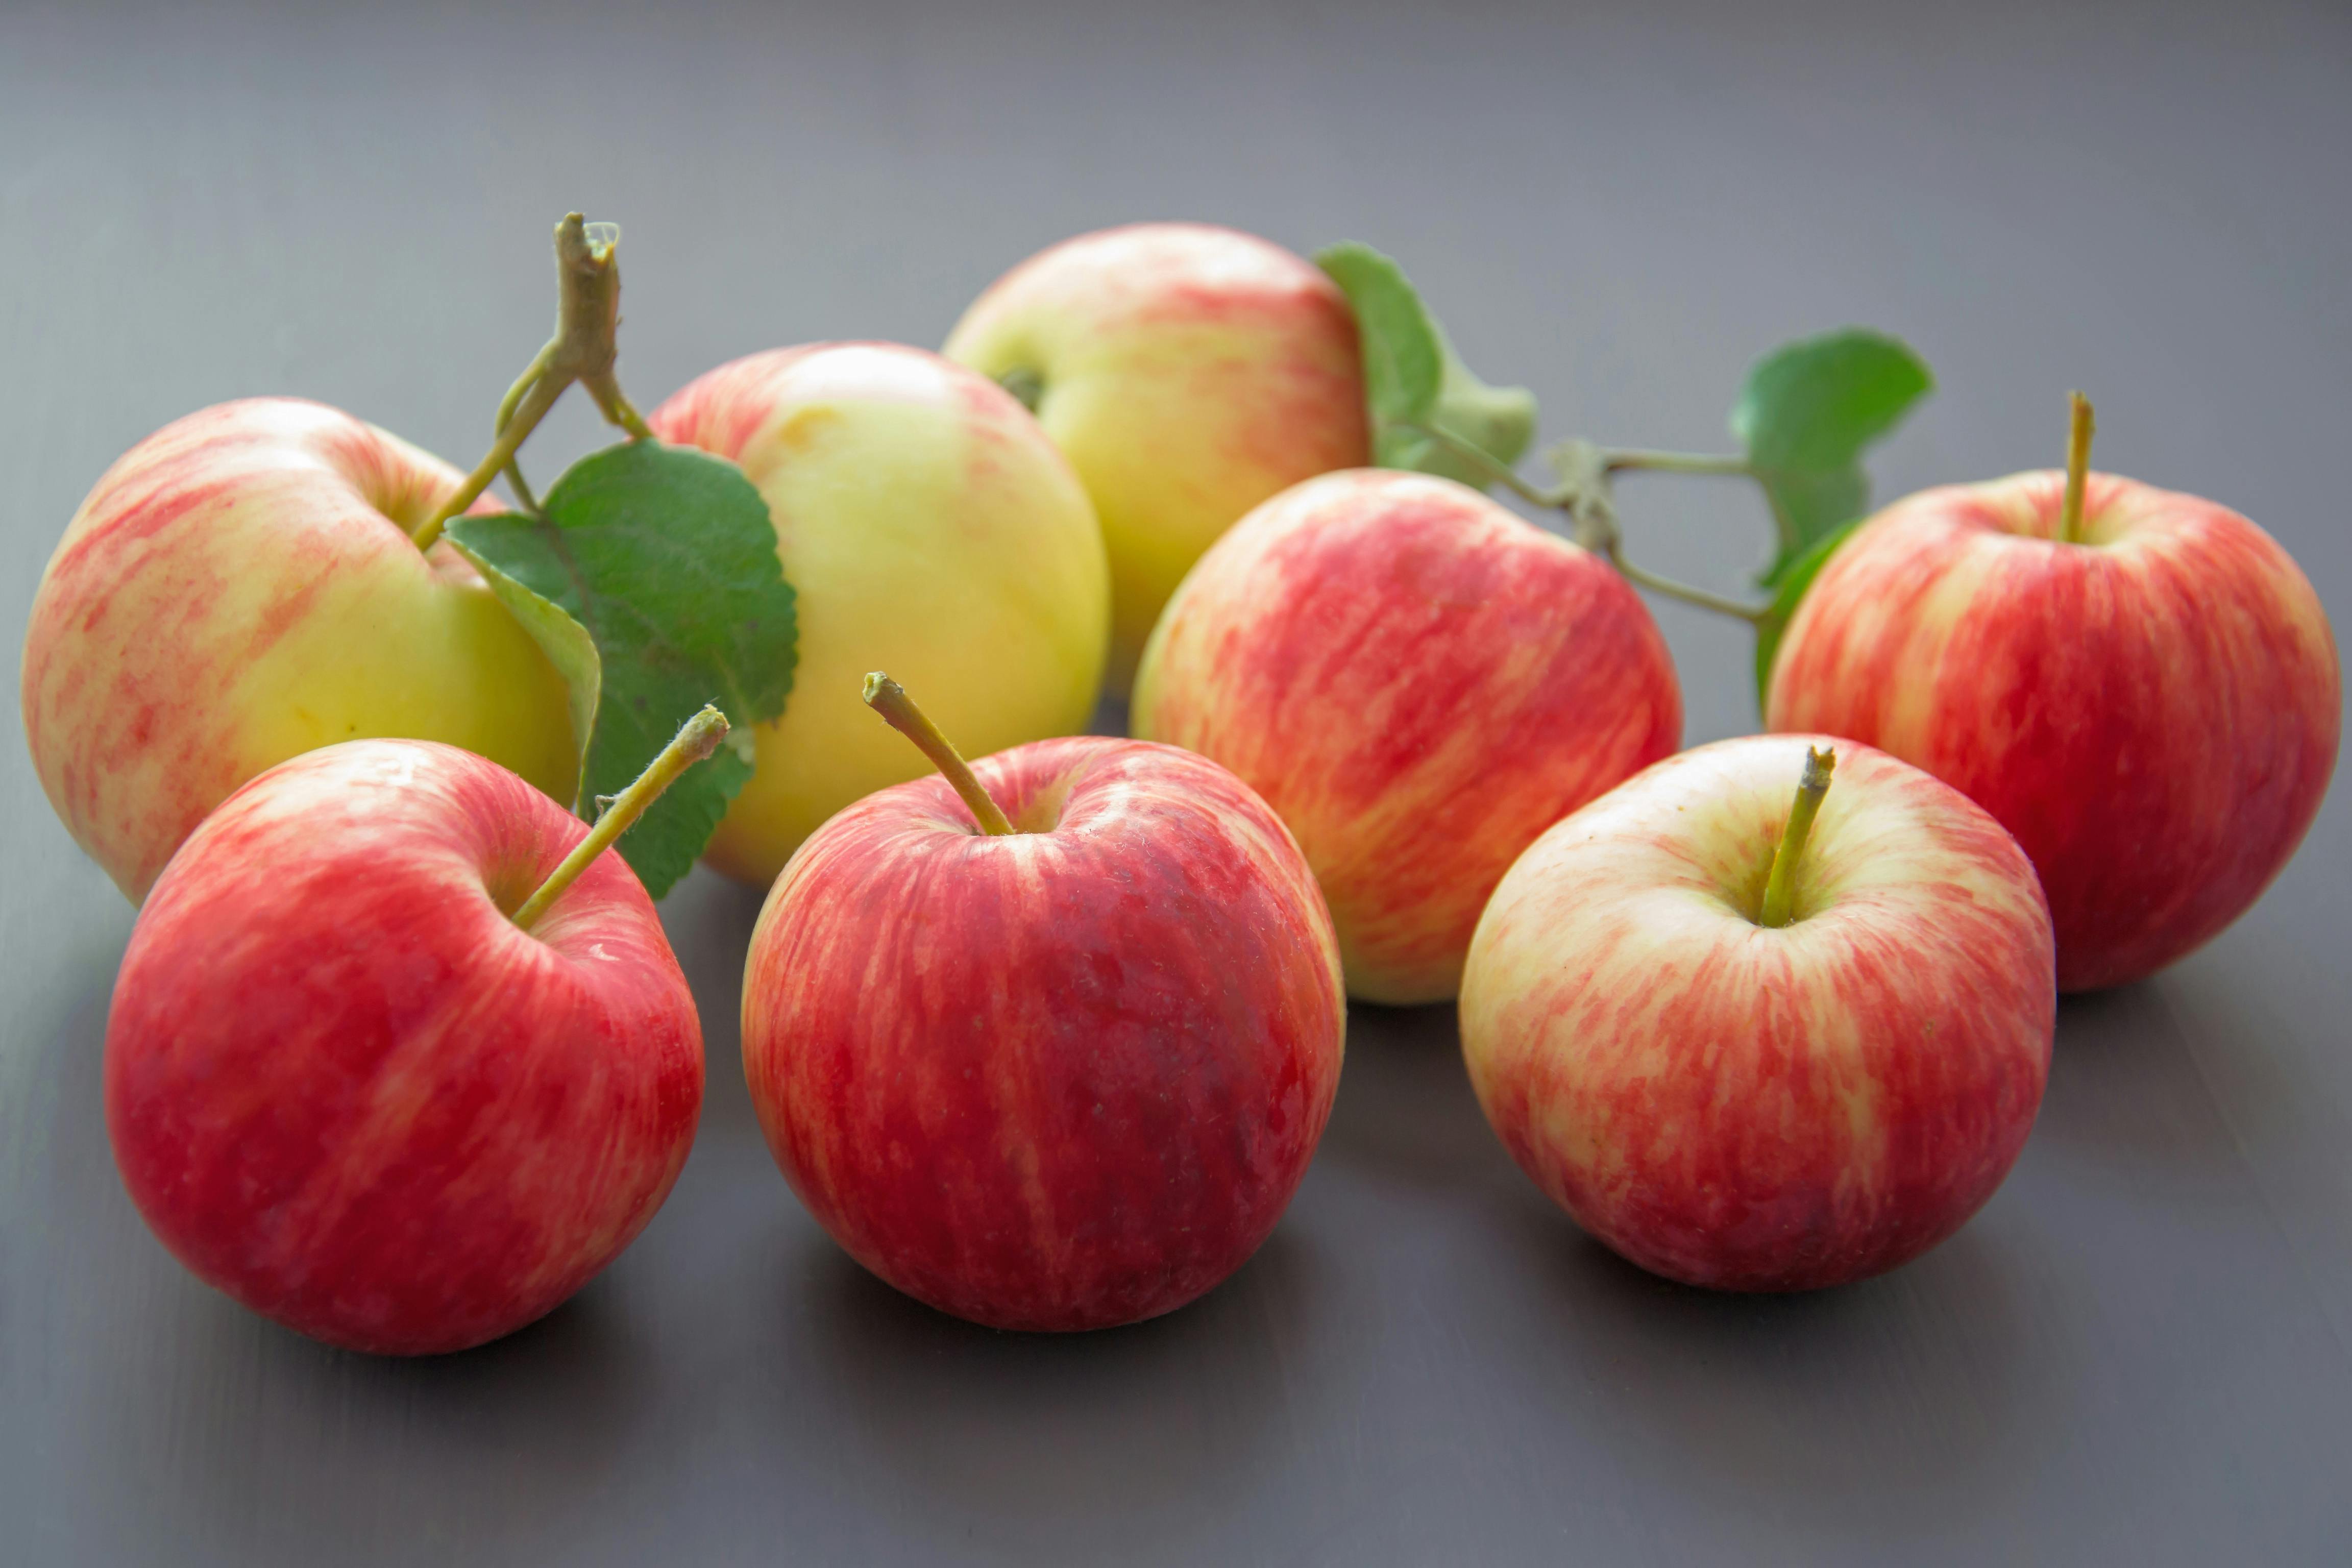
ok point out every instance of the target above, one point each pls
(241, 588)
(1419, 682)
(921, 515)
(1764, 1062)
(1055, 1060)
(2149, 702)
(1190, 372)
(346, 1088)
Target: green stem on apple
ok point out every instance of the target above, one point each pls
(506, 407)
(585, 344)
(615, 406)
(696, 740)
(535, 404)
(523, 496)
(2080, 426)
(1617, 459)
(1780, 888)
(1720, 604)
(1589, 503)
(1497, 473)
(889, 698)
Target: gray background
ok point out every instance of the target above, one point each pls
(2138, 1352)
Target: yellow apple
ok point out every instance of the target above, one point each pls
(241, 588)
(1190, 373)
(927, 526)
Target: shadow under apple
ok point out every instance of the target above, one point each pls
(1405, 1113)
(2125, 1088)
(280, 1448)
(1062, 1445)
(1868, 1412)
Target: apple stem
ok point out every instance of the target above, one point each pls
(1779, 889)
(1618, 458)
(1589, 501)
(587, 320)
(1720, 604)
(697, 739)
(889, 698)
(2080, 426)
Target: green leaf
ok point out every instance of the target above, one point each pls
(1795, 579)
(667, 558)
(565, 641)
(1807, 414)
(1402, 362)
(1413, 376)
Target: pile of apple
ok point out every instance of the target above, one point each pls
(401, 1057)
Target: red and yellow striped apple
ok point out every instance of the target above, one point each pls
(1755, 1092)
(345, 1088)
(1419, 683)
(241, 588)
(2151, 706)
(920, 514)
(1061, 1074)
(1190, 372)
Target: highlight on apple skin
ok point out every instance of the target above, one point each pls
(2152, 712)
(920, 515)
(240, 588)
(1059, 1078)
(1419, 682)
(1190, 372)
(1752, 1108)
(346, 1089)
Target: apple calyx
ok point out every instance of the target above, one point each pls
(585, 344)
(696, 738)
(2080, 426)
(889, 698)
(1027, 385)
(1780, 888)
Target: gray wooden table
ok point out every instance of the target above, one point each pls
(2137, 1354)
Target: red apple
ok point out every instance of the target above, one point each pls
(2153, 710)
(347, 1090)
(1189, 372)
(1061, 1077)
(240, 588)
(1757, 1107)
(1419, 683)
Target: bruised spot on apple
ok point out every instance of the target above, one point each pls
(926, 523)
(240, 588)
(1755, 1108)
(1419, 682)
(345, 1088)
(1190, 372)
(2153, 709)
(1058, 1077)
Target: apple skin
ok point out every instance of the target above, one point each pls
(2153, 713)
(1419, 683)
(240, 588)
(1756, 1110)
(345, 1090)
(1190, 372)
(921, 517)
(1062, 1080)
